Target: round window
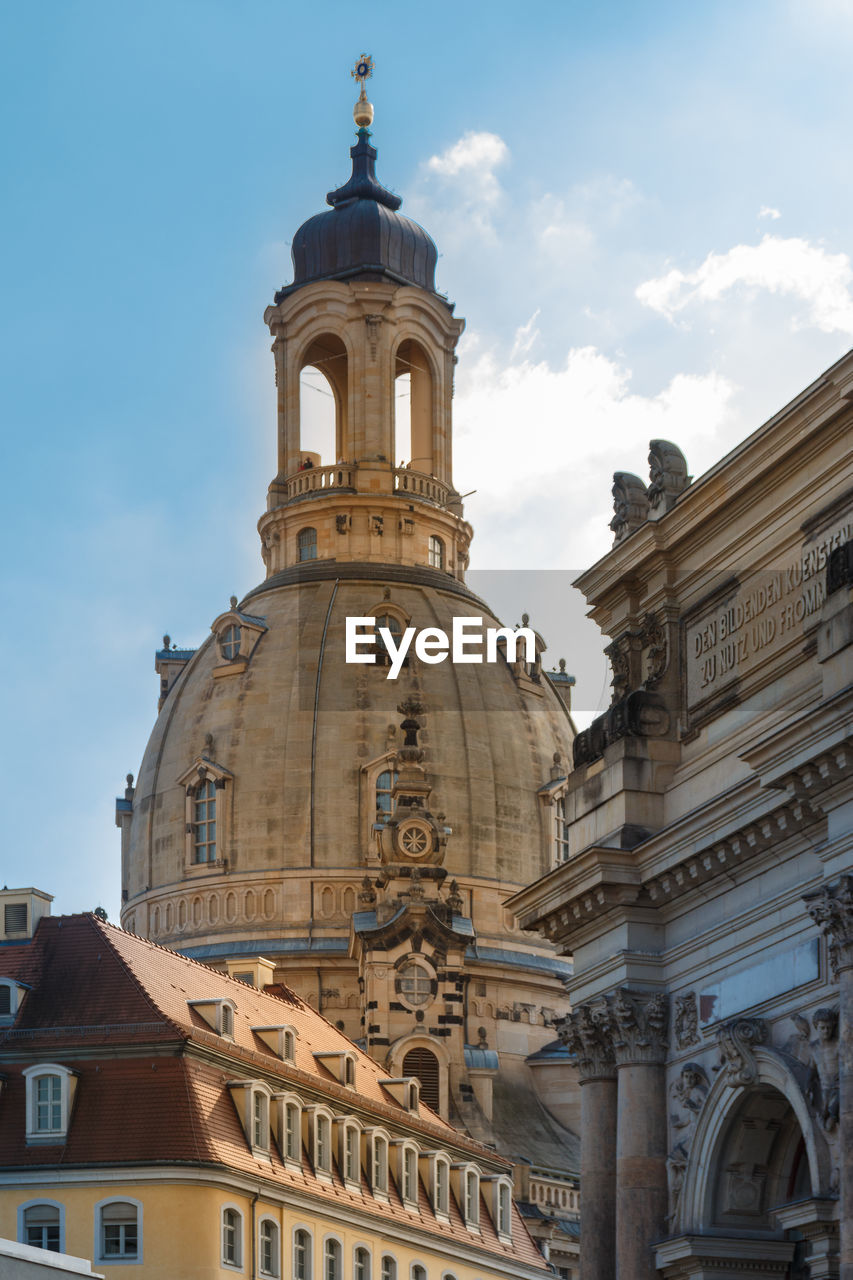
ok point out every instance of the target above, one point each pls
(414, 984)
(415, 839)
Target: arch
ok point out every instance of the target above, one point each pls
(118, 1229)
(269, 1246)
(232, 1236)
(323, 369)
(418, 1040)
(306, 544)
(41, 1223)
(303, 1252)
(697, 1204)
(269, 904)
(230, 907)
(412, 364)
(333, 1258)
(182, 913)
(249, 904)
(196, 911)
(422, 1063)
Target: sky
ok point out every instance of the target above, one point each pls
(643, 212)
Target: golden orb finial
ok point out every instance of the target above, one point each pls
(362, 112)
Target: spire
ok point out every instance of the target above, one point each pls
(363, 183)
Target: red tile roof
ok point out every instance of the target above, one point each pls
(97, 988)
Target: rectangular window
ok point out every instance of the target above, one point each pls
(291, 1131)
(48, 1100)
(15, 917)
(350, 1159)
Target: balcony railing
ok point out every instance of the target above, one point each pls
(312, 479)
(422, 486)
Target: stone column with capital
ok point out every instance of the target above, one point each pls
(831, 907)
(640, 1029)
(587, 1031)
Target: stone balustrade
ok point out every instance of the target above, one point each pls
(419, 485)
(312, 479)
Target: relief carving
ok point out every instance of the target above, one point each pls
(686, 1097)
(831, 907)
(686, 1020)
(820, 1057)
(654, 642)
(736, 1041)
(588, 1033)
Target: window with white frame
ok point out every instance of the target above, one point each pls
(260, 1120)
(49, 1092)
(408, 1177)
(418, 1272)
(378, 1150)
(289, 1128)
(40, 1226)
(269, 1253)
(472, 1198)
(389, 1267)
(119, 1231)
(204, 822)
(415, 984)
(332, 1260)
(320, 1140)
(504, 1209)
(385, 794)
(436, 552)
(302, 1261)
(361, 1264)
(226, 1020)
(350, 1152)
(232, 1237)
(441, 1199)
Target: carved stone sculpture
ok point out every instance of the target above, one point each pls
(588, 1033)
(654, 643)
(686, 1020)
(686, 1098)
(667, 474)
(823, 1089)
(831, 907)
(736, 1041)
(630, 504)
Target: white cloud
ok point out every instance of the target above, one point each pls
(767, 212)
(792, 267)
(574, 425)
(474, 157)
(525, 336)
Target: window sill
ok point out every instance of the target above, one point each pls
(218, 865)
(47, 1139)
(235, 667)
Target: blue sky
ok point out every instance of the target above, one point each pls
(644, 214)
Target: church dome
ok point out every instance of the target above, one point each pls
(362, 236)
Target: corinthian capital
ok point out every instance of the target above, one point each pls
(641, 1026)
(588, 1032)
(831, 907)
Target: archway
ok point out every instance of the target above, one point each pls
(413, 429)
(323, 393)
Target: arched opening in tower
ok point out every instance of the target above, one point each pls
(413, 433)
(323, 396)
(423, 1064)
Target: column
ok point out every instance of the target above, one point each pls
(640, 1021)
(831, 907)
(587, 1031)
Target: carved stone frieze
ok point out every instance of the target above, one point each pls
(641, 1026)
(618, 655)
(686, 1020)
(737, 1040)
(656, 650)
(831, 907)
(588, 1033)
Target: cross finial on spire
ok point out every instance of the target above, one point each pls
(363, 110)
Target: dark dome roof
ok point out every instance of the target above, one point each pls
(362, 236)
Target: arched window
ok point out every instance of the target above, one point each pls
(232, 1238)
(385, 794)
(226, 1020)
(442, 1186)
(41, 1227)
(292, 1133)
(260, 1120)
(269, 1249)
(301, 1255)
(424, 1064)
(361, 1264)
(47, 1100)
(418, 1272)
(413, 431)
(504, 1210)
(204, 822)
(351, 1161)
(118, 1231)
(391, 623)
(306, 544)
(322, 1143)
(380, 1164)
(436, 552)
(49, 1090)
(332, 1269)
(472, 1198)
(409, 1175)
(229, 641)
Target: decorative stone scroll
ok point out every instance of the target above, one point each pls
(630, 504)
(588, 1033)
(667, 475)
(831, 907)
(641, 1026)
(736, 1041)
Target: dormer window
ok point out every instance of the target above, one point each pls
(237, 635)
(218, 1014)
(467, 1187)
(376, 1141)
(287, 1109)
(407, 1174)
(204, 822)
(49, 1094)
(11, 997)
(281, 1039)
(405, 1090)
(561, 830)
(252, 1100)
(207, 797)
(318, 1123)
(341, 1065)
(441, 1196)
(349, 1157)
